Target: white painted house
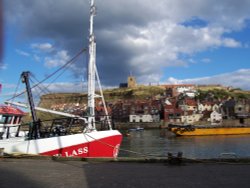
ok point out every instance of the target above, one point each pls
(215, 118)
(144, 118)
(208, 107)
(189, 119)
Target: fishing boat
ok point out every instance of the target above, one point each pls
(59, 139)
(203, 130)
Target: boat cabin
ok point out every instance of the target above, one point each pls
(10, 119)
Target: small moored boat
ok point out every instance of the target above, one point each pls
(203, 130)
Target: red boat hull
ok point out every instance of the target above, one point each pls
(105, 147)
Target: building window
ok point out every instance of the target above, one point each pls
(6, 119)
(15, 120)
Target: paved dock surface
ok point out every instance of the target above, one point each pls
(36, 173)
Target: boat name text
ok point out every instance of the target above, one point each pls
(77, 152)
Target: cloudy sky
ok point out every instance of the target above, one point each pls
(164, 41)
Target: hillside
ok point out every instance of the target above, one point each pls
(139, 93)
(221, 92)
(142, 92)
(46, 101)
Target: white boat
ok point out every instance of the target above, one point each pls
(136, 129)
(57, 141)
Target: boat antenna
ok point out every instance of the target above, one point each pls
(91, 68)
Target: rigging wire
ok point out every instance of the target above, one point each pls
(102, 97)
(37, 92)
(49, 76)
(47, 87)
(16, 89)
(57, 76)
(44, 89)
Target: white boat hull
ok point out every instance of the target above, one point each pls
(94, 144)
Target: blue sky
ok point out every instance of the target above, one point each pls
(206, 43)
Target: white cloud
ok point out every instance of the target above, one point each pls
(22, 53)
(192, 61)
(67, 87)
(231, 43)
(3, 66)
(160, 45)
(58, 59)
(7, 91)
(36, 58)
(237, 79)
(44, 47)
(9, 86)
(206, 60)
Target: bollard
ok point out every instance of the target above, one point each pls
(175, 160)
(179, 155)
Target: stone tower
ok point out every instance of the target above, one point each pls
(131, 82)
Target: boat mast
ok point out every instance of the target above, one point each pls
(91, 68)
(35, 128)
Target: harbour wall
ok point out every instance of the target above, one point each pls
(162, 124)
(126, 126)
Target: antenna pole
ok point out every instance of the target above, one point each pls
(91, 68)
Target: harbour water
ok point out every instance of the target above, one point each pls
(159, 142)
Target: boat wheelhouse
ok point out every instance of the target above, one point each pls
(10, 120)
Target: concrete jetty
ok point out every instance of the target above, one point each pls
(51, 172)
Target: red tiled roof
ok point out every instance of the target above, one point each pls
(208, 103)
(11, 110)
(190, 102)
(101, 108)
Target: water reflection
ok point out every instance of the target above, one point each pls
(159, 142)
